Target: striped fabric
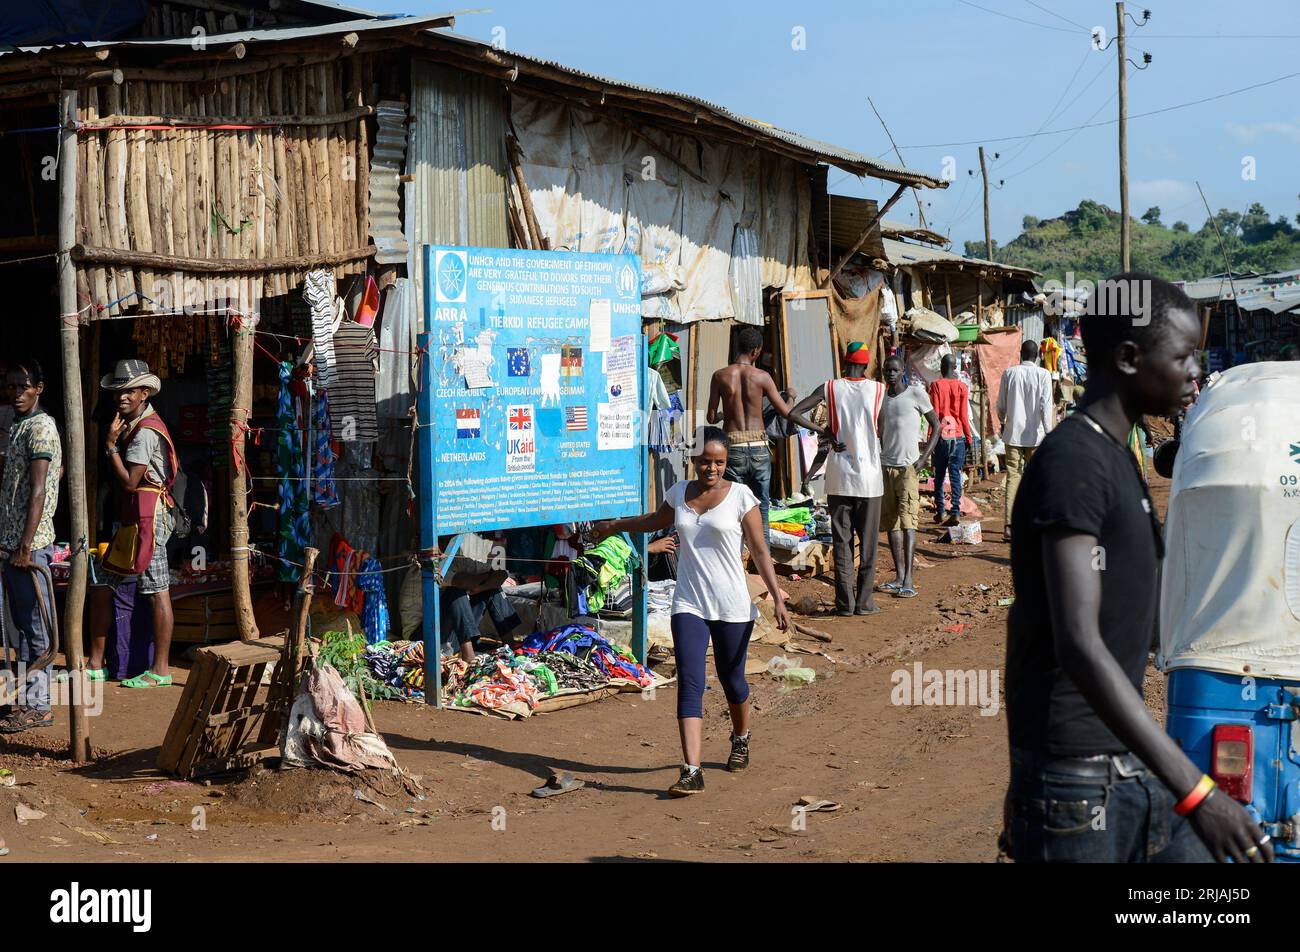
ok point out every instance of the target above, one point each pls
(352, 396)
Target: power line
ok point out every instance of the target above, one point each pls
(999, 13)
(1108, 122)
(1053, 111)
(1057, 15)
(1066, 142)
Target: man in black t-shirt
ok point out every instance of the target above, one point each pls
(1093, 777)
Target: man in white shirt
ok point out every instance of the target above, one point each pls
(1025, 405)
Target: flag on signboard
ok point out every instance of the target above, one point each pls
(468, 425)
(575, 418)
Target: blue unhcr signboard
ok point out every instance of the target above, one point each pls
(534, 381)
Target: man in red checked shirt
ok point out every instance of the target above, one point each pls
(951, 400)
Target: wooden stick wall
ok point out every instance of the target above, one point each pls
(268, 203)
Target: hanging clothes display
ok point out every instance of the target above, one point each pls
(352, 394)
(295, 519)
(318, 291)
(374, 614)
(324, 491)
(397, 345)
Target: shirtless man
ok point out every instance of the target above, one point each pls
(736, 395)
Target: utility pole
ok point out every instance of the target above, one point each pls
(988, 235)
(1123, 139)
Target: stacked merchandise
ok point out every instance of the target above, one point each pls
(597, 574)
(791, 528)
(566, 659)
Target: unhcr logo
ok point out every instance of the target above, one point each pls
(627, 280)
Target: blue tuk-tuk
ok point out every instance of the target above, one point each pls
(1230, 593)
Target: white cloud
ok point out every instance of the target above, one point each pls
(1166, 193)
(1249, 132)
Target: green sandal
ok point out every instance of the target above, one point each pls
(97, 674)
(148, 680)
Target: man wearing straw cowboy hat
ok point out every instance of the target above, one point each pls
(142, 459)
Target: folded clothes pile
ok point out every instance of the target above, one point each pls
(790, 528)
(563, 659)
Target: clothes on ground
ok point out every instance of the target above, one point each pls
(691, 638)
(572, 657)
(902, 419)
(1080, 480)
(951, 401)
(854, 405)
(31, 437)
(352, 395)
(710, 575)
(1025, 404)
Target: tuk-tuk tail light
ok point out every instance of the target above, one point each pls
(1232, 760)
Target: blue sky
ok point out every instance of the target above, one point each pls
(942, 71)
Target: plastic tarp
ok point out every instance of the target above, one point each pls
(687, 206)
(1230, 600)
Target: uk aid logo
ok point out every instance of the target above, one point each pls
(451, 273)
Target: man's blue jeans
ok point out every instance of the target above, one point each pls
(752, 465)
(949, 458)
(1054, 816)
(32, 637)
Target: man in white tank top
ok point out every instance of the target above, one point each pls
(854, 480)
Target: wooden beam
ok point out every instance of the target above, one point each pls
(159, 262)
(182, 122)
(241, 348)
(74, 421)
(866, 233)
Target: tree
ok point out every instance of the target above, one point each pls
(1256, 226)
(1091, 216)
(1181, 226)
(1029, 223)
(1152, 215)
(976, 249)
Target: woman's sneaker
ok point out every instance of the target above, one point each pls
(739, 758)
(691, 781)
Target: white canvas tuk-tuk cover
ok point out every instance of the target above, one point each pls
(1230, 596)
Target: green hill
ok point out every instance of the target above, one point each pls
(1086, 242)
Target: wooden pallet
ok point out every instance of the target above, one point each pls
(220, 724)
(816, 559)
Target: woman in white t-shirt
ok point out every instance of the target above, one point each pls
(711, 601)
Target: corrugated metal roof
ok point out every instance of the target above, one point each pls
(1275, 292)
(898, 229)
(846, 159)
(266, 34)
(848, 219)
(385, 183)
(904, 254)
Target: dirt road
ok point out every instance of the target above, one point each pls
(913, 782)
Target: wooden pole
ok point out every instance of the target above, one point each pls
(947, 293)
(74, 421)
(1123, 140)
(862, 238)
(241, 409)
(988, 235)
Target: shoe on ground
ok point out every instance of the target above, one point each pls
(952, 520)
(690, 782)
(739, 758)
